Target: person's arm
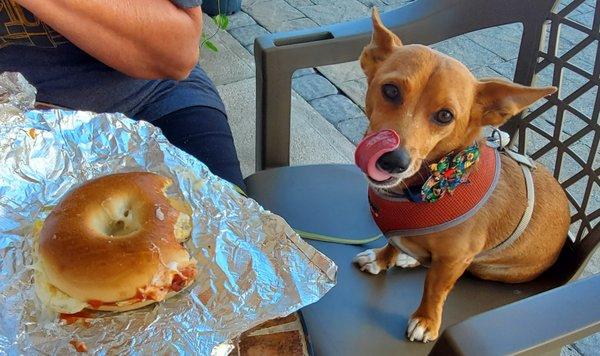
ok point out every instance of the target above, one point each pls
(142, 38)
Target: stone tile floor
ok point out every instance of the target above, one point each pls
(328, 102)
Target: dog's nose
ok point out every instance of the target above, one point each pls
(396, 161)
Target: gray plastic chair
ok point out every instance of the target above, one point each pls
(367, 315)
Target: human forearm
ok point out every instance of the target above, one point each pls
(142, 38)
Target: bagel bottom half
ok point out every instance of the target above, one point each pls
(60, 302)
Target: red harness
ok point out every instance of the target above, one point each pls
(404, 217)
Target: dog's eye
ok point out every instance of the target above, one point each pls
(443, 116)
(391, 92)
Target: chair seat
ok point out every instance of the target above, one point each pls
(365, 314)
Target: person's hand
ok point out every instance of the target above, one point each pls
(142, 38)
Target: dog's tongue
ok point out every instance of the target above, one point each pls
(371, 148)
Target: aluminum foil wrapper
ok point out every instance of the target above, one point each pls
(252, 267)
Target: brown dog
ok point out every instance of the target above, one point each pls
(437, 106)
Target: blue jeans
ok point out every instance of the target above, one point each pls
(204, 133)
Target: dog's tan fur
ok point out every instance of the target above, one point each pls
(429, 81)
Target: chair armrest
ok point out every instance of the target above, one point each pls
(423, 21)
(534, 325)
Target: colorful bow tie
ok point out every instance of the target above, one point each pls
(448, 173)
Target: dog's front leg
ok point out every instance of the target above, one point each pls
(425, 322)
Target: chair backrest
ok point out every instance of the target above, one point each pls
(563, 133)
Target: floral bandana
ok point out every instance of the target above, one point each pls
(448, 173)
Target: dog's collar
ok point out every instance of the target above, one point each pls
(407, 217)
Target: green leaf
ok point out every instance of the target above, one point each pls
(222, 21)
(211, 46)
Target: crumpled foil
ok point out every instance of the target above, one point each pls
(252, 266)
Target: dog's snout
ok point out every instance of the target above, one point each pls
(396, 161)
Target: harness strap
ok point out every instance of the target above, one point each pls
(521, 159)
(527, 165)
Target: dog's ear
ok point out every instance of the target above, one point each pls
(383, 41)
(498, 100)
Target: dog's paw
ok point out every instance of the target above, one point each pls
(405, 261)
(421, 329)
(367, 261)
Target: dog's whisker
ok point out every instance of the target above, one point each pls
(404, 183)
(427, 165)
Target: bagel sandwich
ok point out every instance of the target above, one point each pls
(114, 243)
